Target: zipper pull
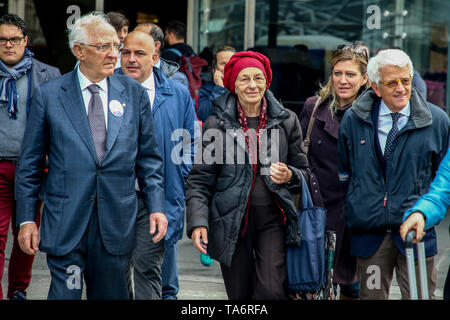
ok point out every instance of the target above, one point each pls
(385, 200)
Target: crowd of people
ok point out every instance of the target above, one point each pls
(93, 174)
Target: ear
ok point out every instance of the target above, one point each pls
(155, 57)
(157, 46)
(376, 89)
(365, 78)
(78, 51)
(25, 40)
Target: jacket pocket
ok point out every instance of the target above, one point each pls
(54, 195)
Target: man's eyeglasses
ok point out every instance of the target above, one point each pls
(106, 47)
(393, 83)
(354, 48)
(14, 41)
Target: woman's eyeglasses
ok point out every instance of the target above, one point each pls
(356, 49)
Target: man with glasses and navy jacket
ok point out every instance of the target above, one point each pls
(20, 74)
(390, 145)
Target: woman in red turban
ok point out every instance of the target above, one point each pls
(239, 204)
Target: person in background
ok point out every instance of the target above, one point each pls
(430, 209)
(155, 271)
(213, 89)
(20, 75)
(241, 211)
(175, 38)
(390, 145)
(170, 69)
(121, 23)
(347, 81)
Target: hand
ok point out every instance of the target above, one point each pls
(158, 220)
(199, 234)
(218, 77)
(280, 173)
(29, 238)
(415, 221)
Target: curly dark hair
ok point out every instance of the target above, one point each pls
(15, 20)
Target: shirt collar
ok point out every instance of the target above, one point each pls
(149, 83)
(158, 64)
(85, 82)
(384, 110)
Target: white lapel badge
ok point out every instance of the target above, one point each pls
(116, 108)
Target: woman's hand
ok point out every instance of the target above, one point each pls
(280, 173)
(200, 239)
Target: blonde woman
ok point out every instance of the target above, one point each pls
(347, 81)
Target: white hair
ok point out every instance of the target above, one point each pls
(389, 57)
(87, 25)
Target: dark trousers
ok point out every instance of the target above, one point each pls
(258, 267)
(144, 270)
(20, 263)
(170, 284)
(103, 273)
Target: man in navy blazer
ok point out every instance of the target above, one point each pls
(96, 128)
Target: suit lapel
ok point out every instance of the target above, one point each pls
(116, 91)
(72, 102)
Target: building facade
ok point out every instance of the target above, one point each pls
(297, 36)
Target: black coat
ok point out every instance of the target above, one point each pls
(217, 194)
(326, 190)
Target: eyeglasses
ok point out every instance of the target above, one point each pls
(246, 81)
(106, 47)
(354, 48)
(394, 83)
(14, 41)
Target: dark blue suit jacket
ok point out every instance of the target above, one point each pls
(58, 126)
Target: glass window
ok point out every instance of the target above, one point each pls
(299, 38)
(420, 28)
(221, 23)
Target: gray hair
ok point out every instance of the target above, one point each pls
(389, 57)
(88, 24)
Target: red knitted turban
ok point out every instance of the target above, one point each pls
(242, 60)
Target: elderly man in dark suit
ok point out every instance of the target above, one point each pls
(97, 129)
(20, 74)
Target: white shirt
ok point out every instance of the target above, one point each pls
(385, 122)
(119, 61)
(103, 92)
(149, 85)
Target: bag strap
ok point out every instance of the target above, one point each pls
(176, 51)
(306, 144)
(306, 195)
(307, 140)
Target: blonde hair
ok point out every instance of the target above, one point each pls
(327, 90)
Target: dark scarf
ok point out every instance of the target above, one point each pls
(9, 76)
(252, 145)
